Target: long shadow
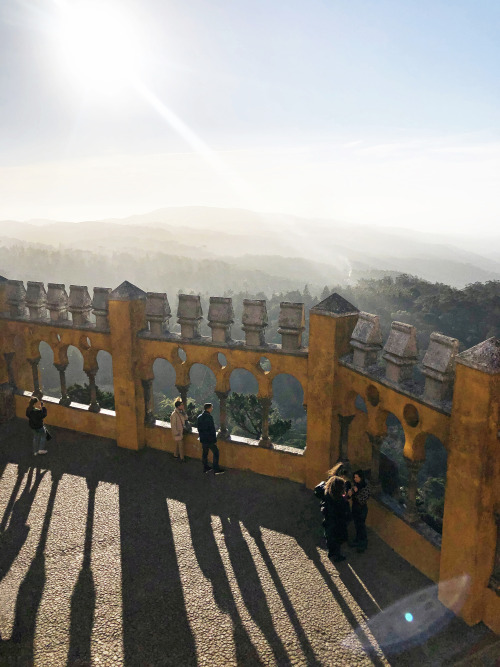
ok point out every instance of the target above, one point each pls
(250, 585)
(30, 593)
(13, 539)
(84, 596)
(210, 562)
(156, 630)
(21, 471)
(307, 649)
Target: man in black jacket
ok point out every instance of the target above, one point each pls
(208, 439)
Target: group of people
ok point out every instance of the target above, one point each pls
(206, 433)
(341, 501)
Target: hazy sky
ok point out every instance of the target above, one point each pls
(374, 111)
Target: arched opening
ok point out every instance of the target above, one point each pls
(393, 471)
(104, 381)
(360, 404)
(201, 391)
(431, 483)
(49, 375)
(164, 389)
(244, 412)
(77, 381)
(288, 419)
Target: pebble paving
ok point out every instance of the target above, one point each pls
(110, 557)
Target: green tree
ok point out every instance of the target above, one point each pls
(245, 410)
(81, 394)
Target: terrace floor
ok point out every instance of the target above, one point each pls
(109, 557)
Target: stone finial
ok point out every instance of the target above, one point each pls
(438, 366)
(189, 315)
(57, 301)
(36, 300)
(483, 357)
(335, 306)
(16, 298)
(100, 306)
(366, 340)
(400, 352)
(158, 312)
(254, 321)
(291, 323)
(80, 304)
(220, 318)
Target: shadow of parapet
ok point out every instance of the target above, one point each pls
(84, 595)
(210, 563)
(13, 538)
(20, 647)
(156, 629)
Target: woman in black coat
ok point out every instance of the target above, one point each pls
(335, 510)
(359, 494)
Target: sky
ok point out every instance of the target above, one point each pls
(379, 112)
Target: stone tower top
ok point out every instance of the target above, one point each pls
(483, 357)
(126, 292)
(336, 306)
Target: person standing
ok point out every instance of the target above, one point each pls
(208, 439)
(359, 494)
(178, 418)
(335, 510)
(36, 415)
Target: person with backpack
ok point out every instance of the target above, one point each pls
(36, 415)
(208, 439)
(359, 494)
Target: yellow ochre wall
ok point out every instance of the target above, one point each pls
(470, 433)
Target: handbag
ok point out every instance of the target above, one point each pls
(187, 428)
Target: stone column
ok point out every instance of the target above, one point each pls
(36, 382)
(149, 418)
(344, 421)
(80, 305)
(183, 392)
(265, 440)
(16, 298)
(438, 366)
(223, 433)
(376, 443)
(158, 313)
(7, 403)
(57, 302)
(94, 405)
(411, 513)
(220, 318)
(366, 340)
(100, 307)
(9, 357)
(291, 325)
(400, 352)
(254, 321)
(36, 300)
(189, 314)
(65, 399)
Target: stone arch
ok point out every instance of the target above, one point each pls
(202, 387)
(243, 381)
(104, 377)
(47, 372)
(163, 387)
(75, 374)
(393, 471)
(288, 398)
(431, 479)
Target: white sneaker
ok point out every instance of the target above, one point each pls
(42, 451)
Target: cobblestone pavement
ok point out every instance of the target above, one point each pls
(109, 557)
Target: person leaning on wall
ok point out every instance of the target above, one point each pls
(36, 415)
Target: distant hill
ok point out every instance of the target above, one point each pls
(272, 251)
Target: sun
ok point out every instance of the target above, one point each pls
(98, 44)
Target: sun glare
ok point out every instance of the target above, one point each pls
(99, 45)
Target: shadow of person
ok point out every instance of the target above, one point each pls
(30, 592)
(210, 563)
(83, 599)
(156, 630)
(21, 471)
(250, 586)
(14, 537)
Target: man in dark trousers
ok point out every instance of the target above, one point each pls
(208, 439)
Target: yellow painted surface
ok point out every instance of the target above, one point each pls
(74, 419)
(404, 540)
